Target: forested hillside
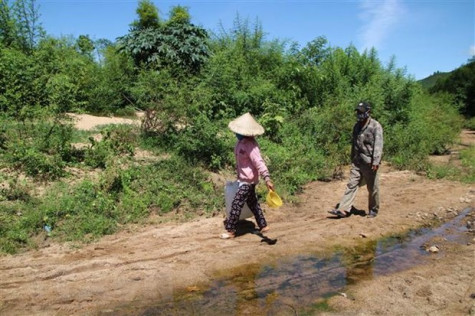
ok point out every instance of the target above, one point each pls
(459, 83)
(429, 82)
(191, 84)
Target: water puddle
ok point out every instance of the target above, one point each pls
(298, 284)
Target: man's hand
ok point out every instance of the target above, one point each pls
(375, 167)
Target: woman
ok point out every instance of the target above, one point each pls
(249, 165)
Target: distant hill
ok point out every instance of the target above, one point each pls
(460, 83)
(430, 81)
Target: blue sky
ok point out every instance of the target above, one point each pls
(424, 36)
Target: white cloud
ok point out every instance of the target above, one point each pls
(472, 50)
(378, 18)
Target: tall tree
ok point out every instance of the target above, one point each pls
(100, 46)
(85, 45)
(28, 23)
(179, 14)
(177, 44)
(19, 24)
(148, 16)
(316, 51)
(7, 25)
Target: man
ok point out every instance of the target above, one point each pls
(366, 152)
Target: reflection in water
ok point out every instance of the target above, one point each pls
(291, 284)
(399, 253)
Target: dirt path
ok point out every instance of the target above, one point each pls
(148, 264)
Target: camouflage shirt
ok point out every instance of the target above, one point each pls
(367, 143)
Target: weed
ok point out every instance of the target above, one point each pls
(316, 308)
(15, 189)
(464, 172)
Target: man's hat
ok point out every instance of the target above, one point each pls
(363, 107)
(246, 125)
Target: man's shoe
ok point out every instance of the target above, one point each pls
(372, 214)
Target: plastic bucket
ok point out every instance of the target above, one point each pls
(273, 199)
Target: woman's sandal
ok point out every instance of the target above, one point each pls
(264, 229)
(338, 213)
(227, 235)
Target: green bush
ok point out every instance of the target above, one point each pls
(17, 83)
(113, 84)
(117, 140)
(460, 83)
(470, 124)
(205, 142)
(65, 78)
(15, 189)
(432, 125)
(38, 148)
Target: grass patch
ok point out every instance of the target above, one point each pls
(467, 157)
(89, 210)
(464, 171)
(444, 172)
(316, 308)
(82, 136)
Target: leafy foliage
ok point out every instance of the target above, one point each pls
(65, 76)
(115, 142)
(85, 45)
(55, 77)
(429, 82)
(113, 84)
(177, 44)
(460, 83)
(39, 149)
(240, 76)
(7, 25)
(432, 126)
(179, 15)
(148, 16)
(203, 142)
(17, 83)
(19, 24)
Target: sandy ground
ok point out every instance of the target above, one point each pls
(88, 122)
(143, 265)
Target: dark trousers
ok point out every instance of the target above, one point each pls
(245, 194)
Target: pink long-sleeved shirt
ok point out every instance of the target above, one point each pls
(249, 161)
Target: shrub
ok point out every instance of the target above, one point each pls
(117, 140)
(205, 142)
(38, 148)
(432, 125)
(470, 124)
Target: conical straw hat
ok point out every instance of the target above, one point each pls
(246, 125)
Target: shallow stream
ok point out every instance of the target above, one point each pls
(300, 284)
